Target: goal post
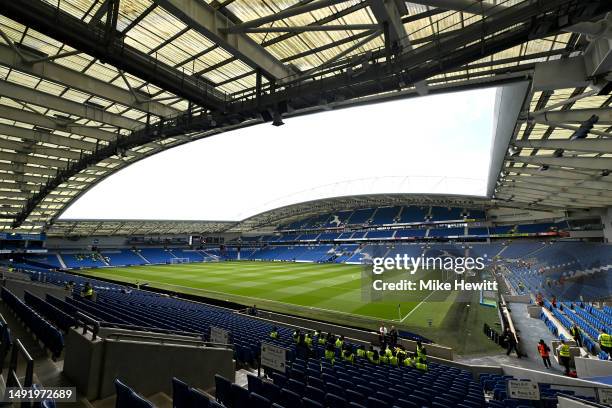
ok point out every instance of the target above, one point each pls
(179, 260)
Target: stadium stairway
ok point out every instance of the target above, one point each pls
(46, 371)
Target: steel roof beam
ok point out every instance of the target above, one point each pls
(577, 115)
(586, 192)
(213, 25)
(21, 147)
(467, 6)
(308, 28)
(581, 145)
(63, 27)
(285, 14)
(388, 14)
(599, 163)
(560, 182)
(60, 74)
(33, 135)
(45, 100)
(559, 173)
(24, 116)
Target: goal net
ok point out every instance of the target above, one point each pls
(179, 260)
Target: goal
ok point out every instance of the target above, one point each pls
(179, 260)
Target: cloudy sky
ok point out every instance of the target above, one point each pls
(435, 144)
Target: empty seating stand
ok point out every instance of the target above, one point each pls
(49, 335)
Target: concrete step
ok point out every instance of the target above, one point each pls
(161, 400)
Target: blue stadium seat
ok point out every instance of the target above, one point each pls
(181, 395)
(136, 401)
(223, 390)
(123, 394)
(270, 391)
(290, 399)
(258, 401)
(239, 396)
(315, 394)
(335, 401)
(254, 384)
(198, 399)
(308, 403)
(377, 403)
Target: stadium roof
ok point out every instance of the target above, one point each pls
(90, 86)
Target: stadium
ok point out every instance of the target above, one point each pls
(306, 203)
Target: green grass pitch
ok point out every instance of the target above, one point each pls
(329, 292)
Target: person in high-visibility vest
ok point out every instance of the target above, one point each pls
(407, 361)
(320, 338)
(308, 340)
(375, 358)
(564, 356)
(88, 291)
(361, 353)
(420, 364)
(274, 333)
(544, 351)
(296, 335)
(370, 353)
(330, 353)
(339, 342)
(384, 359)
(393, 360)
(348, 356)
(402, 355)
(576, 334)
(421, 351)
(605, 342)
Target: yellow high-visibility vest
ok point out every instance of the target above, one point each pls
(605, 339)
(564, 351)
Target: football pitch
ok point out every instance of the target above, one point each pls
(329, 292)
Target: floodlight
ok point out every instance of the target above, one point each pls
(605, 173)
(543, 167)
(558, 153)
(513, 151)
(585, 128)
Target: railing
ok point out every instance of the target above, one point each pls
(167, 341)
(6, 341)
(88, 322)
(13, 377)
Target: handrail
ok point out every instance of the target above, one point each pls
(84, 319)
(146, 336)
(148, 329)
(13, 379)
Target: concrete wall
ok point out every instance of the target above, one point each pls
(83, 362)
(590, 367)
(38, 289)
(147, 363)
(606, 220)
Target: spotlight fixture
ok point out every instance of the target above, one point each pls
(585, 128)
(543, 167)
(558, 153)
(513, 151)
(277, 119)
(605, 173)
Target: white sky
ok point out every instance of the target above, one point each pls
(435, 144)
